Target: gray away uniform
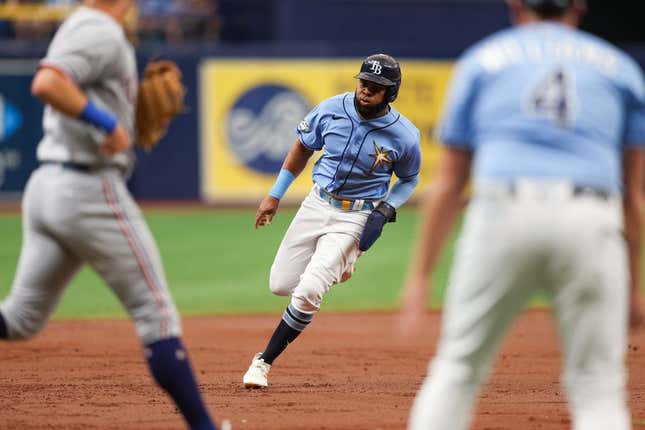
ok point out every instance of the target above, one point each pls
(76, 207)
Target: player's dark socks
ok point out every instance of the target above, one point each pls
(170, 366)
(293, 322)
(281, 338)
(3, 327)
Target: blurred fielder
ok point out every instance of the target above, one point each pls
(365, 142)
(551, 121)
(76, 207)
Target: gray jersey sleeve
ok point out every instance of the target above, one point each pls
(91, 48)
(86, 51)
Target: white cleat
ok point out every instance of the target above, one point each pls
(258, 373)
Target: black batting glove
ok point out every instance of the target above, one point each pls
(382, 214)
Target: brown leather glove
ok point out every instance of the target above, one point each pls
(160, 98)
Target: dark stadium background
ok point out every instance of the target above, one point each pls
(266, 29)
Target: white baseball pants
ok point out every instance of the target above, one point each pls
(540, 236)
(319, 246)
(71, 218)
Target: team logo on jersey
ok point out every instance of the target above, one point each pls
(260, 126)
(381, 157)
(304, 126)
(10, 119)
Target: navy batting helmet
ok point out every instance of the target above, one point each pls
(384, 70)
(549, 6)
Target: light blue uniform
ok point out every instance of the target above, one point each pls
(320, 247)
(559, 103)
(547, 112)
(359, 156)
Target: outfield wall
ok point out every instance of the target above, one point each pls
(244, 103)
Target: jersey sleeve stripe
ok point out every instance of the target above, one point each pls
(408, 176)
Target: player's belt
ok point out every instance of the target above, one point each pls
(537, 188)
(581, 191)
(68, 165)
(345, 204)
(85, 168)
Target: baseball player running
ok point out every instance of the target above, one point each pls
(551, 122)
(365, 141)
(76, 207)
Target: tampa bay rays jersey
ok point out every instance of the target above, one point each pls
(546, 101)
(359, 155)
(91, 48)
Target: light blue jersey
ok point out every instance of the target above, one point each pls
(359, 156)
(546, 101)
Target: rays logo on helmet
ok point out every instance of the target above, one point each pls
(260, 126)
(304, 126)
(376, 67)
(384, 70)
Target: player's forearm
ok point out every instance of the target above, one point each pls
(634, 209)
(293, 166)
(297, 159)
(439, 210)
(58, 91)
(440, 206)
(401, 191)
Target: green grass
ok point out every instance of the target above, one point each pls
(217, 263)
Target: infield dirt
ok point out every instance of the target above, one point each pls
(348, 371)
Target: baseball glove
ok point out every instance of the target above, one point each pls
(383, 213)
(160, 98)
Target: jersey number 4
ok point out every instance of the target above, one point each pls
(551, 97)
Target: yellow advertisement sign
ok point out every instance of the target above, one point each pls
(250, 110)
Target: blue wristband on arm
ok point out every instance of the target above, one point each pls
(98, 117)
(285, 178)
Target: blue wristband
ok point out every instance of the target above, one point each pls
(285, 178)
(98, 117)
